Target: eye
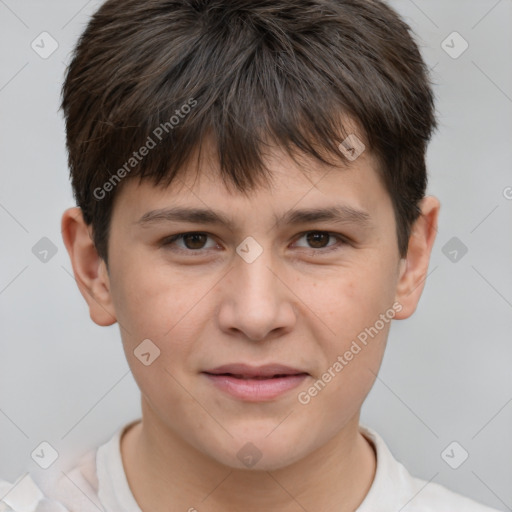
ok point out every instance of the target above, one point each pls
(193, 242)
(318, 240)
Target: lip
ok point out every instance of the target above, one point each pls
(255, 383)
(246, 370)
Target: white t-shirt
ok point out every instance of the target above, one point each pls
(98, 482)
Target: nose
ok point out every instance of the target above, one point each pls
(256, 301)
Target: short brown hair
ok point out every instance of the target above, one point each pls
(279, 70)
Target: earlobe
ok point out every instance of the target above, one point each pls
(89, 269)
(414, 268)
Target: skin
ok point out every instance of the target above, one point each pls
(295, 305)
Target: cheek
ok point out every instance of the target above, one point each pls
(170, 309)
(153, 303)
(349, 300)
(150, 306)
(353, 347)
(350, 303)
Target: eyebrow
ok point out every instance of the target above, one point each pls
(339, 214)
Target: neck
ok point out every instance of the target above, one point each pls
(163, 470)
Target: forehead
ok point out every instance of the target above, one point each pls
(350, 190)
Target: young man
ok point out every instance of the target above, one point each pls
(250, 180)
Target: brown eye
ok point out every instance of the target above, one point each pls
(194, 240)
(187, 242)
(318, 239)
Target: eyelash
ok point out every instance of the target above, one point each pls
(341, 241)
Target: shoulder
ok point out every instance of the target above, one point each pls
(394, 488)
(88, 486)
(433, 497)
(74, 490)
(24, 495)
(77, 488)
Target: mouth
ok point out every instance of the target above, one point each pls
(254, 377)
(246, 371)
(255, 384)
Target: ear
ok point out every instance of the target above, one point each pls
(90, 271)
(414, 267)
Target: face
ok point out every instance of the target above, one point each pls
(316, 296)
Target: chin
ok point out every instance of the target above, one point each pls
(259, 453)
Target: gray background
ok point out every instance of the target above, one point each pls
(446, 374)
